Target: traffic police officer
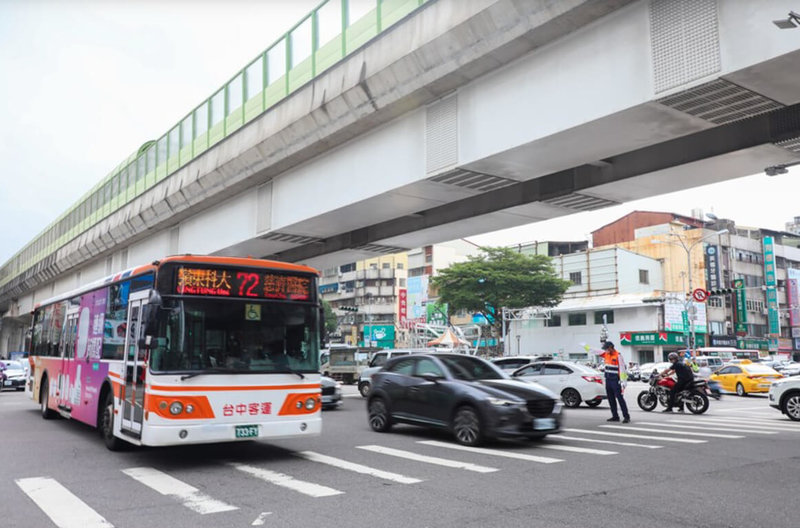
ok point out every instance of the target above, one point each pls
(616, 376)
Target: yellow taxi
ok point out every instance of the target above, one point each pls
(745, 377)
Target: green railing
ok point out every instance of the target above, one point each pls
(329, 33)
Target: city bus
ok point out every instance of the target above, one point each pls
(185, 350)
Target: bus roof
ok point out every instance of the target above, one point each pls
(189, 259)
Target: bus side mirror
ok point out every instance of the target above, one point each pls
(149, 322)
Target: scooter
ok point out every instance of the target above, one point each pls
(694, 397)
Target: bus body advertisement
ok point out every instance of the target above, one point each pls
(186, 350)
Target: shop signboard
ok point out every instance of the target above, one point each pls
(722, 341)
(676, 319)
(741, 307)
(773, 317)
(793, 296)
(712, 267)
(652, 338)
(753, 343)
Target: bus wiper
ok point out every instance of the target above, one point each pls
(212, 370)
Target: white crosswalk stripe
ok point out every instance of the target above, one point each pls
(736, 428)
(493, 452)
(644, 437)
(598, 441)
(189, 496)
(427, 459)
(60, 505)
(358, 468)
(750, 423)
(285, 481)
(686, 433)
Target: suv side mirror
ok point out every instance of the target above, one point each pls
(432, 377)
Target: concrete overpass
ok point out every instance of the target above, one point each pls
(458, 118)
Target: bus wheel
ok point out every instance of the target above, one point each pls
(107, 424)
(44, 398)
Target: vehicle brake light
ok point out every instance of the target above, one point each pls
(593, 379)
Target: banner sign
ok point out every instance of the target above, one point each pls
(793, 295)
(402, 309)
(712, 267)
(741, 309)
(771, 281)
(651, 338)
(436, 314)
(674, 317)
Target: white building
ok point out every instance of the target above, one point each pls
(611, 282)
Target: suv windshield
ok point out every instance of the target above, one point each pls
(210, 335)
(471, 369)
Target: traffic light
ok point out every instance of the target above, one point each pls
(349, 308)
(721, 291)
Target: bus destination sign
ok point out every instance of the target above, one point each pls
(254, 284)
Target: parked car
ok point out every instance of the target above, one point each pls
(14, 375)
(575, 383)
(464, 394)
(512, 363)
(377, 361)
(791, 369)
(712, 362)
(634, 372)
(745, 377)
(331, 393)
(647, 369)
(784, 394)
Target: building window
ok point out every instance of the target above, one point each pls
(577, 319)
(402, 283)
(555, 320)
(374, 265)
(347, 267)
(644, 276)
(717, 327)
(754, 306)
(575, 277)
(399, 265)
(715, 302)
(598, 317)
(386, 265)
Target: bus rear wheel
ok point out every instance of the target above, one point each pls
(44, 400)
(107, 425)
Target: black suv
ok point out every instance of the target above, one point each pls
(465, 394)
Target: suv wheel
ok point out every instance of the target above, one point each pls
(363, 388)
(379, 415)
(467, 426)
(791, 406)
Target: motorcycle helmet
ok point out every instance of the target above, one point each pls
(672, 356)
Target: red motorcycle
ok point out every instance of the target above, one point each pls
(693, 397)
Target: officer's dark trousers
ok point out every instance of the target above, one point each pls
(614, 394)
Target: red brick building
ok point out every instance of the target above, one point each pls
(622, 229)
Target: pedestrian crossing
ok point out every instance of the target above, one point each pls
(69, 506)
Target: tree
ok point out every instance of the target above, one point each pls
(497, 278)
(331, 321)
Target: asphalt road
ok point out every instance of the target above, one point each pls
(665, 471)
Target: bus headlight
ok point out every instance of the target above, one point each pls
(175, 407)
(189, 408)
(311, 403)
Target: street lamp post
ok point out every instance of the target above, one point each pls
(688, 305)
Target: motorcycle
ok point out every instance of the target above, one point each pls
(694, 397)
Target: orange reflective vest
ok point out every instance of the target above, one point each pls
(612, 360)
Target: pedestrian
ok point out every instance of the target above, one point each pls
(616, 377)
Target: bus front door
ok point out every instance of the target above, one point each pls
(134, 369)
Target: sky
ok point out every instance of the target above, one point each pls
(86, 82)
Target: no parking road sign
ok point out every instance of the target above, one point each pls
(700, 295)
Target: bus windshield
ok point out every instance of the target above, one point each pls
(212, 336)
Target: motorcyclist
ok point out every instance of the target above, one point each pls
(685, 378)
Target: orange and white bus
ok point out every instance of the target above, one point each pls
(185, 350)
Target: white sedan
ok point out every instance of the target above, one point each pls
(574, 382)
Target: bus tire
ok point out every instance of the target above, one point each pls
(107, 424)
(44, 399)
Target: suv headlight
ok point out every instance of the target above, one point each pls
(501, 402)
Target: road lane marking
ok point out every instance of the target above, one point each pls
(598, 441)
(261, 519)
(750, 423)
(493, 452)
(645, 437)
(358, 468)
(285, 481)
(191, 497)
(649, 430)
(428, 459)
(57, 502)
(722, 428)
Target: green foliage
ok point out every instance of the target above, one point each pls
(330, 318)
(500, 277)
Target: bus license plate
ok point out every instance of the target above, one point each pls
(246, 431)
(540, 424)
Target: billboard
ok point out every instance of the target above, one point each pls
(417, 298)
(793, 295)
